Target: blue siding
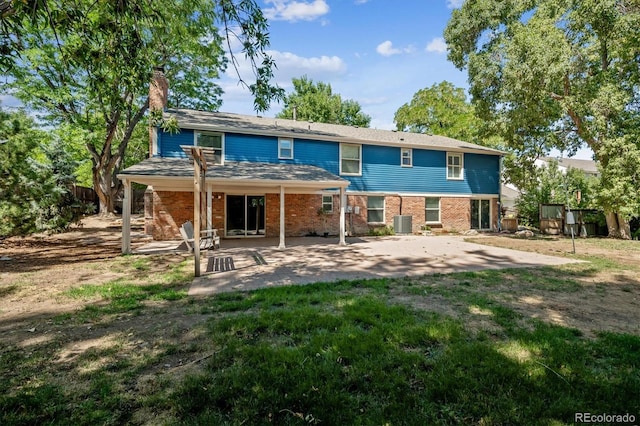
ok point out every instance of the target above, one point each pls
(170, 143)
(381, 170)
(483, 173)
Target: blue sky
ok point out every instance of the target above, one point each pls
(376, 52)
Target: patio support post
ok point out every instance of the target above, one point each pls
(126, 217)
(281, 245)
(209, 210)
(343, 201)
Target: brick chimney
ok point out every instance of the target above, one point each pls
(158, 94)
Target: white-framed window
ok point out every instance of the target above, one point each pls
(455, 166)
(327, 203)
(406, 157)
(285, 148)
(432, 210)
(350, 159)
(375, 209)
(211, 140)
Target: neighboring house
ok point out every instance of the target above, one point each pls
(272, 176)
(510, 193)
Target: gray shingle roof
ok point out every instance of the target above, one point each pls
(588, 166)
(237, 123)
(234, 172)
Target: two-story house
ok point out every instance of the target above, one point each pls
(273, 177)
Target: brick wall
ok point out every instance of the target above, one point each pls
(455, 213)
(301, 215)
(414, 206)
(172, 209)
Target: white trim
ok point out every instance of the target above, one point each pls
(154, 142)
(320, 185)
(384, 208)
(343, 203)
(455, 154)
(430, 222)
(281, 244)
(423, 194)
(479, 215)
(410, 157)
(280, 157)
(212, 133)
(126, 217)
(351, 159)
(323, 203)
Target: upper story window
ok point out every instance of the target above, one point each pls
(406, 157)
(212, 140)
(455, 165)
(285, 148)
(327, 203)
(375, 209)
(432, 210)
(350, 159)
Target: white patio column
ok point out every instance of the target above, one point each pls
(126, 217)
(281, 245)
(209, 209)
(343, 201)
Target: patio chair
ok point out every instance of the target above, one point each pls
(209, 238)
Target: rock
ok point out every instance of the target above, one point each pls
(524, 234)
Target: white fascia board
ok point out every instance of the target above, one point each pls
(421, 194)
(163, 180)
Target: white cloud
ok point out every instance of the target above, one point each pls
(454, 4)
(292, 10)
(437, 45)
(386, 49)
(290, 63)
(361, 1)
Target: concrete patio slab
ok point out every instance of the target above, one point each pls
(309, 260)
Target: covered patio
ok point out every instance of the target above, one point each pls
(177, 175)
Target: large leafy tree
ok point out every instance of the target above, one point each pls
(551, 185)
(559, 74)
(441, 109)
(317, 102)
(88, 64)
(35, 180)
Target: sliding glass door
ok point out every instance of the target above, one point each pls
(245, 215)
(480, 214)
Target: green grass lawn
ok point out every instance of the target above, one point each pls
(442, 349)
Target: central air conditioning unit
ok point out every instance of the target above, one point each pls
(402, 224)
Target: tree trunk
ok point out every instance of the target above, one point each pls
(618, 226)
(624, 228)
(106, 164)
(106, 189)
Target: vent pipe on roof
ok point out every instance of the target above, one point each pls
(295, 113)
